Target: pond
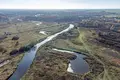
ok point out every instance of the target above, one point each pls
(78, 65)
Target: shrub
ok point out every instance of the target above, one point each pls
(3, 37)
(17, 43)
(15, 38)
(22, 49)
(13, 52)
(2, 50)
(26, 48)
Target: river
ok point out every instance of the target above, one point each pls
(29, 56)
(78, 65)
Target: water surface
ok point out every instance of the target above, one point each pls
(78, 65)
(30, 55)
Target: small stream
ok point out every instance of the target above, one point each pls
(78, 65)
(30, 55)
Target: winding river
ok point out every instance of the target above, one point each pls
(30, 55)
(78, 65)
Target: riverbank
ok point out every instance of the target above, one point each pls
(52, 65)
(30, 55)
(26, 32)
(77, 65)
(101, 65)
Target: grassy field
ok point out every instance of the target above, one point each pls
(27, 32)
(103, 64)
(51, 65)
(99, 55)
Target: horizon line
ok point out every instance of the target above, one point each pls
(56, 9)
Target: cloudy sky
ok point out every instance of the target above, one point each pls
(59, 4)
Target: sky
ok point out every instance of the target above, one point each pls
(59, 4)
